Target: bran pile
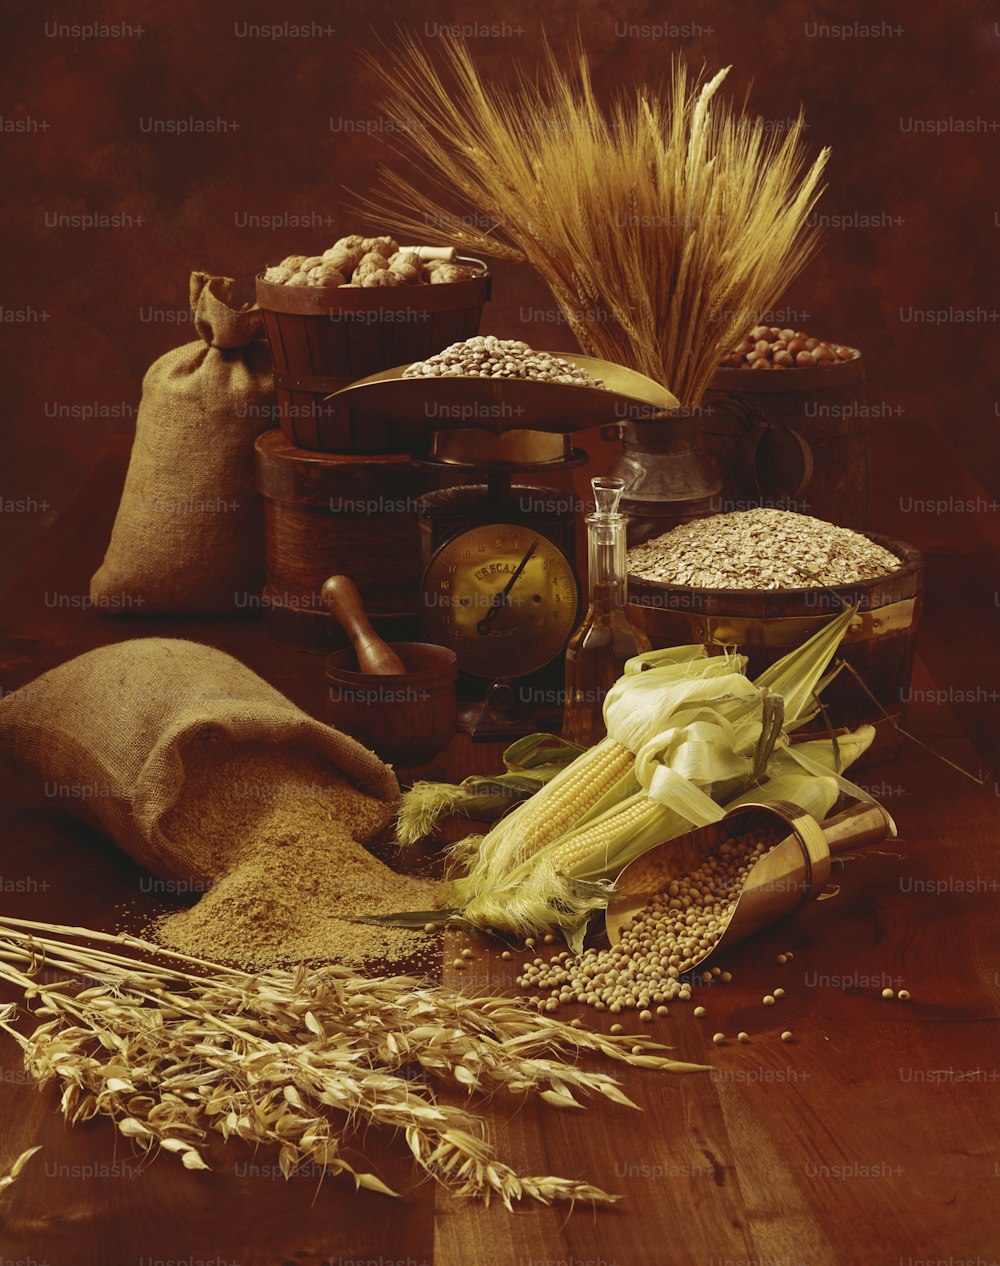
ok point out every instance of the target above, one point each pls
(278, 830)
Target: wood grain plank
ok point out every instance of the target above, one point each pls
(871, 1138)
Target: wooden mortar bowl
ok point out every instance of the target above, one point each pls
(404, 717)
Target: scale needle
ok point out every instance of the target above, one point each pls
(500, 599)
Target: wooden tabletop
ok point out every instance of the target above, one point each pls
(873, 1137)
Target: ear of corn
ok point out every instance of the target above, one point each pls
(701, 760)
(547, 815)
(595, 839)
(484, 799)
(637, 708)
(529, 763)
(560, 889)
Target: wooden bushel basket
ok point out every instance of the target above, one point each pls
(764, 624)
(798, 439)
(324, 338)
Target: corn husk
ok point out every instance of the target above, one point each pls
(538, 897)
(691, 769)
(482, 798)
(529, 764)
(637, 708)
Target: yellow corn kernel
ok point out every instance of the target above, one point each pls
(565, 802)
(580, 845)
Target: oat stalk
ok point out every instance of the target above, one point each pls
(180, 1049)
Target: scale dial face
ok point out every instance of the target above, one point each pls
(503, 596)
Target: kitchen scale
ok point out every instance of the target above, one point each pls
(500, 585)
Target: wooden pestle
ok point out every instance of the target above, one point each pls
(341, 598)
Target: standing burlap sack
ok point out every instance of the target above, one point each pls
(189, 538)
(105, 734)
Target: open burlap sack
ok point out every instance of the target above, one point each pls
(188, 538)
(105, 736)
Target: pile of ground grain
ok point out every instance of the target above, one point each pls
(279, 830)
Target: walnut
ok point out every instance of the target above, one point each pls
(278, 274)
(372, 262)
(341, 258)
(385, 246)
(372, 259)
(311, 262)
(294, 262)
(297, 279)
(326, 275)
(385, 278)
(353, 244)
(408, 276)
(450, 272)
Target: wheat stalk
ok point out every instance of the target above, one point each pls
(179, 1049)
(664, 228)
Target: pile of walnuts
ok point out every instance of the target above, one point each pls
(364, 261)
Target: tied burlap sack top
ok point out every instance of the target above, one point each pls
(188, 537)
(105, 735)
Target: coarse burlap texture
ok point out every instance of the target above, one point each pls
(104, 734)
(188, 538)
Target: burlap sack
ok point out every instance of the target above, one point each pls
(105, 735)
(189, 538)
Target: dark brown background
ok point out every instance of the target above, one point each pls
(94, 306)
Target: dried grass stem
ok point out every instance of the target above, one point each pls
(665, 228)
(302, 1059)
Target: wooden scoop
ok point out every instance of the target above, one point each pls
(341, 598)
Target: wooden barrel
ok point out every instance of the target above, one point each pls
(337, 514)
(765, 624)
(324, 338)
(795, 439)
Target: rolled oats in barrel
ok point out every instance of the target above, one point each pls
(760, 549)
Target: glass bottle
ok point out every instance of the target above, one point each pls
(597, 651)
